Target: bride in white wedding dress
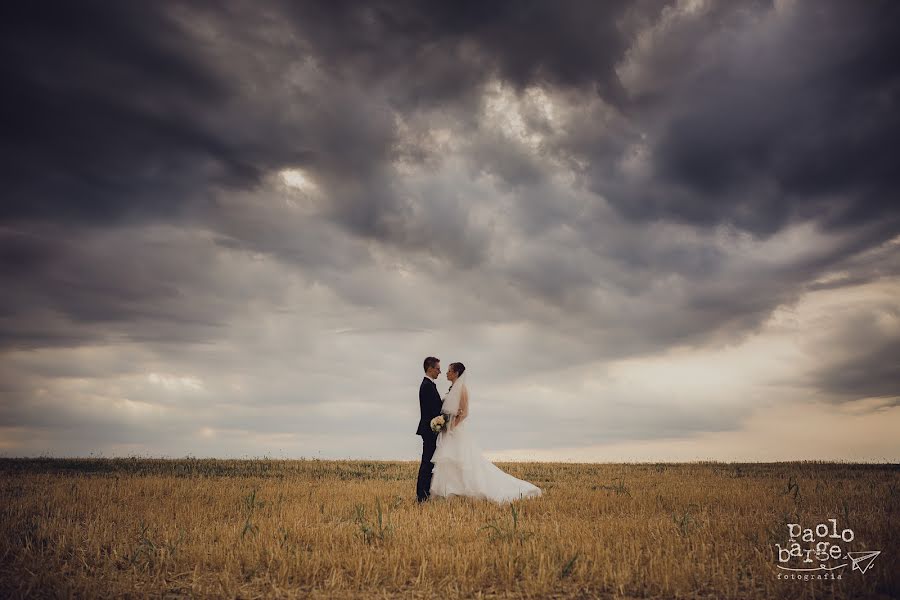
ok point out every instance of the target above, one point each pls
(460, 469)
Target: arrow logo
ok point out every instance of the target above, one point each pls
(862, 561)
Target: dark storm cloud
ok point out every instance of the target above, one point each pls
(141, 145)
(875, 372)
(140, 111)
(771, 117)
(116, 110)
(426, 60)
(122, 112)
(66, 286)
(437, 51)
(859, 359)
(99, 114)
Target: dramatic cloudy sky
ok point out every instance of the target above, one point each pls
(651, 230)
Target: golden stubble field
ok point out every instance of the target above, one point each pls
(345, 529)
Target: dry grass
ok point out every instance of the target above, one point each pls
(335, 529)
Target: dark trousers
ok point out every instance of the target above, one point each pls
(423, 482)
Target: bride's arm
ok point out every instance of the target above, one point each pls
(463, 406)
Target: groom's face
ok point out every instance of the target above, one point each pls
(434, 371)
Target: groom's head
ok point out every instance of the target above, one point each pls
(432, 367)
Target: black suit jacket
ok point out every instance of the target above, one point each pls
(429, 406)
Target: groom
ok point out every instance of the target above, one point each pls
(429, 408)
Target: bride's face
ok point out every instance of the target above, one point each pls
(451, 375)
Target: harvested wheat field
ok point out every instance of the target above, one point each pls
(351, 529)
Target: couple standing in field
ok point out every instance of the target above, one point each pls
(452, 463)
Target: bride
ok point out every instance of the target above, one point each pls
(460, 469)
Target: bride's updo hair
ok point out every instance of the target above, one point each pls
(458, 368)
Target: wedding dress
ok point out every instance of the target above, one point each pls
(460, 468)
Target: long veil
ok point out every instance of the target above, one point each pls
(451, 401)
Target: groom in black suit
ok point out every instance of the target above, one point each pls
(429, 408)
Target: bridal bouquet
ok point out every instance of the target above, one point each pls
(440, 423)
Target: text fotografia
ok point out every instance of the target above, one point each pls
(820, 552)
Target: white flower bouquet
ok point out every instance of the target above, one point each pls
(440, 423)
